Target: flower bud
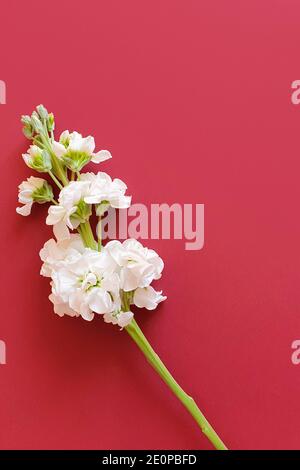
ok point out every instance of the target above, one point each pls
(42, 111)
(27, 129)
(50, 122)
(36, 123)
(28, 132)
(25, 119)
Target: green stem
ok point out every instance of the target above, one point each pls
(99, 234)
(57, 168)
(138, 337)
(56, 181)
(87, 236)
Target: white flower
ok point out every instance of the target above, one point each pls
(31, 154)
(75, 201)
(118, 318)
(62, 308)
(137, 266)
(60, 213)
(147, 297)
(33, 189)
(85, 281)
(37, 159)
(57, 254)
(84, 285)
(71, 210)
(104, 190)
(75, 151)
(75, 191)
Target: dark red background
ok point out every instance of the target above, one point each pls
(192, 97)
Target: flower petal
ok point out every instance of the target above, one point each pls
(100, 301)
(124, 318)
(120, 202)
(101, 156)
(88, 145)
(25, 210)
(61, 231)
(147, 297)
(59, 149)
(55, 215)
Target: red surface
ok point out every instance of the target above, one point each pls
(193, 100)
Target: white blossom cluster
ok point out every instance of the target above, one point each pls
(86, 281)
(86, 278)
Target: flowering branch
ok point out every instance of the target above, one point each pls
(86, 277)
